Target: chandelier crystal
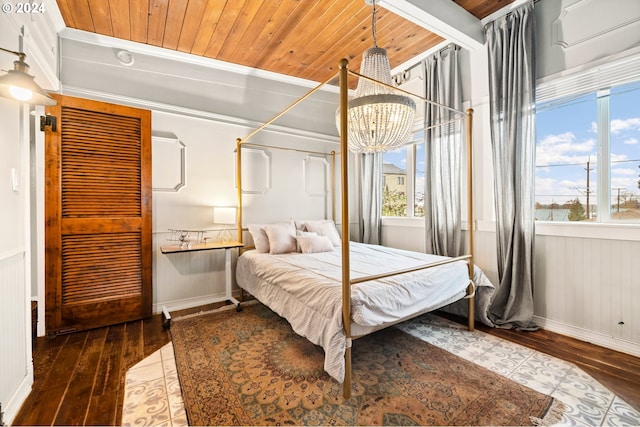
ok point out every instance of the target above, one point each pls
(379, 119)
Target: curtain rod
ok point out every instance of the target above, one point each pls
(417, 64)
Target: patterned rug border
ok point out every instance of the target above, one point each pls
(550, 416)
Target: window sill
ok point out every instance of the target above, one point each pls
(608, 231)
(605, 231)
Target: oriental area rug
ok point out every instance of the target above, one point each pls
(250, 368)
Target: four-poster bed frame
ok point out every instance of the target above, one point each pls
(347, 282)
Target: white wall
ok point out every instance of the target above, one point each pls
(40, 46)
(285, 184)
(586, 285)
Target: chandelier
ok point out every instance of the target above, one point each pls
(379, 119)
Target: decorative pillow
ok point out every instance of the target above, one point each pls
(259, 236)
(302, 233)
(314, 244)
(282, 237)
(325, 228)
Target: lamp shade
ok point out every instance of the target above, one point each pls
(20, 85)
(224, 215)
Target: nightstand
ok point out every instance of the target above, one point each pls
(227, 247)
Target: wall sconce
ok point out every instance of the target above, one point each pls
(226, 216)
(18, 84)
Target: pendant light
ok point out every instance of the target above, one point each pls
(379, 118)
(18, 84)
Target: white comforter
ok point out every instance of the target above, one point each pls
(307, 291)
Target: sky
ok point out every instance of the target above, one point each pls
(566, 143)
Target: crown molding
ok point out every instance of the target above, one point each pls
(159, 52)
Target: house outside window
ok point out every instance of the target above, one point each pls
(403, 182)
(588, 148)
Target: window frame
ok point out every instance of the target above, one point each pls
(598, 78)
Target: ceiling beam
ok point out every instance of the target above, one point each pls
(443, 17)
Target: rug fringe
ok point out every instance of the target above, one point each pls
(552, 416)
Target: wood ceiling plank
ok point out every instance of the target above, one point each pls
(158, 10)
(211, 24)
(65, 11)
(81, 15)
(236, 39)
(175, 18)
(327, 29)
(139, 18)
(354, 40)
(199, 24)
(482, 8)
(262, 36)
(280, 31)
(101, 17)
(240, 51)
(230, 20)
(318, 34)
(119, 10)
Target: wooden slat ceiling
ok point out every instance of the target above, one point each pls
(301, 38)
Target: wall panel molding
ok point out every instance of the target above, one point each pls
(569, 29)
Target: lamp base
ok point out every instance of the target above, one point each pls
(224, 235)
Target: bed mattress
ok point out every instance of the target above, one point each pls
(306, 289)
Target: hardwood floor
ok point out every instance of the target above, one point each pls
(79, 378)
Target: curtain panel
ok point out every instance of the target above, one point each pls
(443, 153)
(371, 198)
(511, 43)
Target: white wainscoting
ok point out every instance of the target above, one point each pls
(16, 369)
(590, 289)
(586, 287)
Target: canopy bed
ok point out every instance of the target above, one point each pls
(335, 296)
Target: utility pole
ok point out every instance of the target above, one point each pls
(618, 189)
(588, 169)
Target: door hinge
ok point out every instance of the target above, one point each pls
(48, 120)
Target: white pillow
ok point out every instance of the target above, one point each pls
(314, 244)
(325, 228)
(282, 237)
(302, 233)
(259, 236)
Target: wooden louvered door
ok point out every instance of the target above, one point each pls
(98, 215)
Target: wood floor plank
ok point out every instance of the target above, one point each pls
(74, 406)
(45, 353)
(44, 404)
(155, 337)
(104, 399)
(132, 353)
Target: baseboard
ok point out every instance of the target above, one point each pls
(15, 402)
(596, 338)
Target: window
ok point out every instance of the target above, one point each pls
(588, 152)
(403, 181)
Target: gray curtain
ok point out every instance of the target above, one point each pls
(443, 152)
(511, 42)
(371, 198)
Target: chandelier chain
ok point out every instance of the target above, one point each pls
(373, 24)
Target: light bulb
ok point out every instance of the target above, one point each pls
(20, 94)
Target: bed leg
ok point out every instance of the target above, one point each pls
(346, 385)
(472, 313)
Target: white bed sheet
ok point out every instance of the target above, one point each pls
(306, 289)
